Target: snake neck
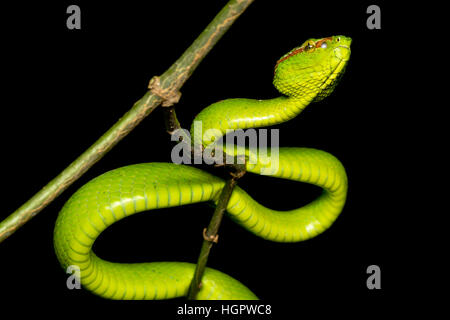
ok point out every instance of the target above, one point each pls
(214, 121)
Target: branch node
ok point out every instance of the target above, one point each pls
(239, 172)
(169, 96)
(211, 238)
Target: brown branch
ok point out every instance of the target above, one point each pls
(168, 87)
(210, 235)
(171, 120)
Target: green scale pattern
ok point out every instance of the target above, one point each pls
(306, 74)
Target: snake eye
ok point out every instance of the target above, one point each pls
(309, 46)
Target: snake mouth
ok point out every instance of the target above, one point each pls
(342, 52)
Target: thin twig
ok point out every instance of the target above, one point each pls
(171, 120)
(167, 88)
(210, 235)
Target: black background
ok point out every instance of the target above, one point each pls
(64, 88)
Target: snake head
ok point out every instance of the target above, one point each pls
(312, 70)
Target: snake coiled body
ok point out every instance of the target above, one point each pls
(306, 74)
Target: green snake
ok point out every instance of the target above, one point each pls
(306, 74)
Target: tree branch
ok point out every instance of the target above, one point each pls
(171, 120)
(210, 235)
(167, 87)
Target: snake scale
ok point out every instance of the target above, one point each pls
(306, 74)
